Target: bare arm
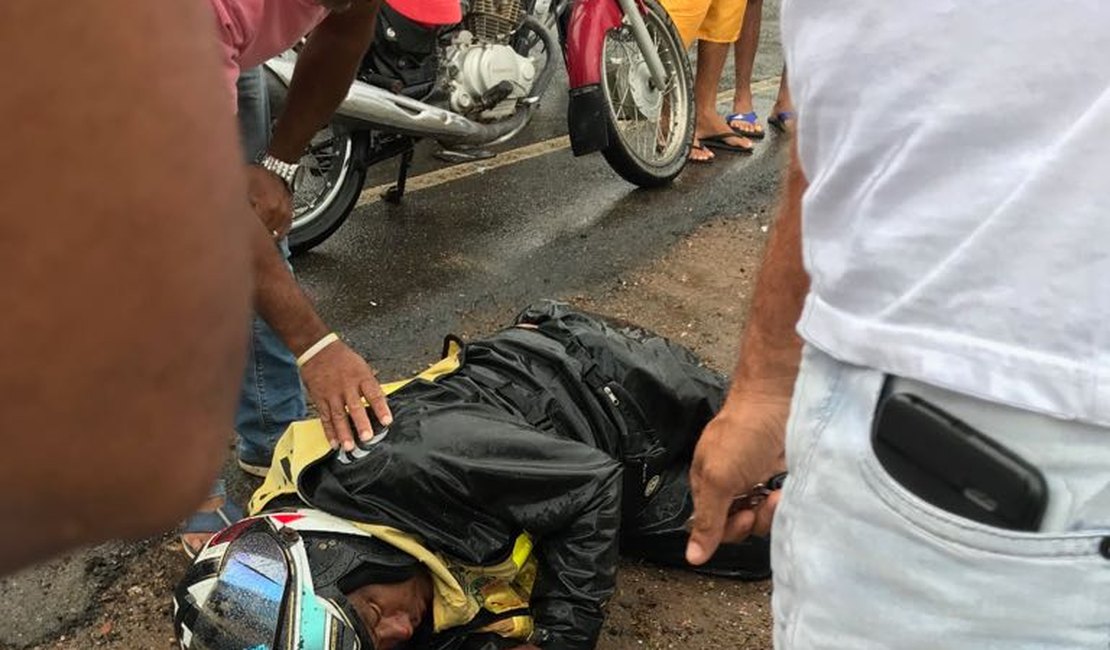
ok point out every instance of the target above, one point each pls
(337, 379)
(743, 444)
(770, 348)
(126, 277)
(278, 298)
(325, 68)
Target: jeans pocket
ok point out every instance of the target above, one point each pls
(958, 531)
(1020, 589)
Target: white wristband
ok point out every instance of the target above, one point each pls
(316, 348)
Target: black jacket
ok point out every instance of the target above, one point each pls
(530, 434)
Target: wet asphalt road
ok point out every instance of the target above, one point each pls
(394, 279)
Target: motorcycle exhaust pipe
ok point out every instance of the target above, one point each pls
(388, 111)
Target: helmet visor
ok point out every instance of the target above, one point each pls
(244, 608)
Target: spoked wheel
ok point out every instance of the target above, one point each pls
(328, 187)
(650, 128)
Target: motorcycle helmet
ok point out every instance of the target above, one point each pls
(277, 581)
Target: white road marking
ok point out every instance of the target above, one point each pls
(512, 156)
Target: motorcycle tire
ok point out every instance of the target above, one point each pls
(314, 226)
(628, 92)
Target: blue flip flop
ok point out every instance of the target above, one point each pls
(211, 522)
(750, 118)
(779, 120)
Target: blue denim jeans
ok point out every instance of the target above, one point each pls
(861, 562)
(271, 396)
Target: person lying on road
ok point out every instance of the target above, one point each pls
(488, 515)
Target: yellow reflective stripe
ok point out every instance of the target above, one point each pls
(522, 550)
(517, 627)
(444, 366)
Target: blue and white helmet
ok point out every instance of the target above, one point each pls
(277, 582)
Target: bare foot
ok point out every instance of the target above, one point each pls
(714, 125)
(750, 129)
(782, 117)
(699, 153)
(196, 541)
(742, 105)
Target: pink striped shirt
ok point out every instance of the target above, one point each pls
(252, 31)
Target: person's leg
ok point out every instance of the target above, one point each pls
(211, 516)
(716, 35)
(271, 396)
(783, 102)
(687, 16)
(861, 562)
(744, 54)
(254, 113)
(710, 126)
(782, 114)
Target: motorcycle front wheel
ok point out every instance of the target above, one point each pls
(650, 129)
(328, 188)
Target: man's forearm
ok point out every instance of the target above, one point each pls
(325, 69)
(771, 349)
(278, 298)
(744, 443)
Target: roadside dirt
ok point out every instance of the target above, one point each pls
(698, 295)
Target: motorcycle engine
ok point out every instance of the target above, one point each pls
(485, 76)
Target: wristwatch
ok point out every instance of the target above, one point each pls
(287, 172)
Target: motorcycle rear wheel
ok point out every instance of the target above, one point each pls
(328, 188)
(650, 131)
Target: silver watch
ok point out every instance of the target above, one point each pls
(287, 172)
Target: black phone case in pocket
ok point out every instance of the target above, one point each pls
(952, 466)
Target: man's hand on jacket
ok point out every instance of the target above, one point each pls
(338, 380)
(270, 199)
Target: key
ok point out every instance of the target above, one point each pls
(751, 499)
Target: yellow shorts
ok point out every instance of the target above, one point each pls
(716, 21)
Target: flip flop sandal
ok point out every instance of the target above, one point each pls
(750, 118)
(212, 521)
(718, 142)
(699, 161)
(779, 120)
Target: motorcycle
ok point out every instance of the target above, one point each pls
(477, 83)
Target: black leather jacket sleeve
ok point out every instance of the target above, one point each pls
(576, 536)
(567, 496)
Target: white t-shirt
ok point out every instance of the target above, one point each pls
(957, 223)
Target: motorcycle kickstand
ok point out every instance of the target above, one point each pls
(395, 193)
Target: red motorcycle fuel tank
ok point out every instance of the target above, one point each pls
(429, 13)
